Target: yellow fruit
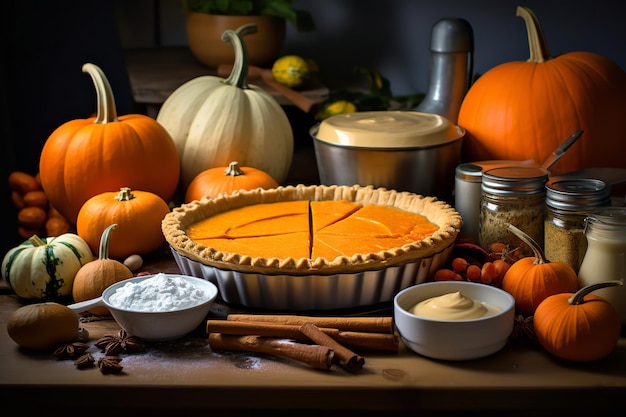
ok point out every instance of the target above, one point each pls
(335, 108)
(292, 70)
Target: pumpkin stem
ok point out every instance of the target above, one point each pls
(125, 194)
(239, 75)
(579, 296)
(36, 240)
(106, 111)
(540, 258)
(536, 39)
(233, 169)
(103, 252)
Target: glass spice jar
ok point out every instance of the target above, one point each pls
(568, 202)
(605, 258)
(467, 196)
(514, 195)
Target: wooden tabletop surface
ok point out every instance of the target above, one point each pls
(187, 376)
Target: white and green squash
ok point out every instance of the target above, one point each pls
(44, 268)
(214, 121)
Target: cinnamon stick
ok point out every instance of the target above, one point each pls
(362, 340)
(317, 356)
(362, 324)
(344, 356)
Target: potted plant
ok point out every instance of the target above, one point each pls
(206, 20)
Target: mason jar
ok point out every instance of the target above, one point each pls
(512, 195)
(568, 201)
(605, 258)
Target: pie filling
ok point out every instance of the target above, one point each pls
(310, 229)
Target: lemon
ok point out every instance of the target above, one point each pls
(335, 108)
(292, 70)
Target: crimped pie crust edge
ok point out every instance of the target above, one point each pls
(438, 212)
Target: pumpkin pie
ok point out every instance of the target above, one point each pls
(311, 229)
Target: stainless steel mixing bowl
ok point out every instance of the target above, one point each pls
(400, 150)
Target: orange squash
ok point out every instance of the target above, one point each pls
(215, 181)
(138, 215)
(578, 327)
(524, 109)
(531, 280)
(86, 157)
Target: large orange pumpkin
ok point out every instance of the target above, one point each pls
(86, 157)
(525, 110)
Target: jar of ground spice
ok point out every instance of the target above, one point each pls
(514, 195)
(568, 202)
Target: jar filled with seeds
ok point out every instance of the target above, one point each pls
(568, 202)
(514, 195)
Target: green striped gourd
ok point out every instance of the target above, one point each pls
(44, 268)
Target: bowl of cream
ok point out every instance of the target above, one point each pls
(454, 320)
(156, 307)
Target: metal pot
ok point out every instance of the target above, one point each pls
(400, 150)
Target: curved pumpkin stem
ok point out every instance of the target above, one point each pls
(233, 170)
(106, 112)
(579, 296)
(125, 194)
(540, 257)
(36, 240)
(537, 43)
(103, 251)
(239, 75)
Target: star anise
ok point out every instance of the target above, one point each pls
(71, 350)
(110, 364)
(114, 344)
(524, 329)
(85, 361)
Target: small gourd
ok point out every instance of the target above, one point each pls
(92, 279)
(45, 268)
(214, 121)
(530, 280)
(578, 327)
(42, 326)
(215, 181)
(138, 215)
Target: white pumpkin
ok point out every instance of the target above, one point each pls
(45, 268)
(214, 121)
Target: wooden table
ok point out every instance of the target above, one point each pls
(186, 376)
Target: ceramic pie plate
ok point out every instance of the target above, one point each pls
(313, 284)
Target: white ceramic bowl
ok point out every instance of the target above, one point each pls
(158, 325)
(454, 339)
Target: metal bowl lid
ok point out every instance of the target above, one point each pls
(388, 129)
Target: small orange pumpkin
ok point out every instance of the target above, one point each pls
(531, 280)
(523, 109)
(138, 215)
(86, 157)
(101, 273)
(215, 181)
(578, 327)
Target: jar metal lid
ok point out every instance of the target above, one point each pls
(607, 219)
(515, 180)
(469, 172)
(577, 194)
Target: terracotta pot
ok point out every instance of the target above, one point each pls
(204, 33)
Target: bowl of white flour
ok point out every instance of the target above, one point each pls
(156, 307)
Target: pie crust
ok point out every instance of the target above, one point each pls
(176, 223)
